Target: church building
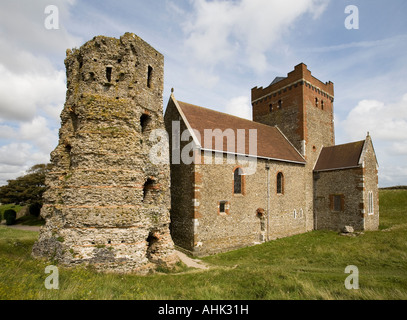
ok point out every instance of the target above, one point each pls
(237, 182)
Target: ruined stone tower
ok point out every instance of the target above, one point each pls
(107, 204)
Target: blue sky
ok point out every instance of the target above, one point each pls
(215, 52)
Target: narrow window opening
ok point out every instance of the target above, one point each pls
(370, 204)
(68, 149)
(109, 74)
(280, 104)
(222, 207)
(80, 60)
(145, 121)
(316, 102)
(322, 104)
(149, 190)
(280, 183)
(74, 119)
(271, 107)
(237, 181)
(149, 76)
(153, 242)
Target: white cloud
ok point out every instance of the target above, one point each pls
(22, 23)
(240, 107)
(21, 154)
(23, 94)
(221, 31)
(394, 175)
(29, 80)
(384, 121)
(16, 158)
(39, 134)
(32, 87)
(387, 125)
(31, 143)
(400, 148)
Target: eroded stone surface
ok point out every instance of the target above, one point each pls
(107, 203)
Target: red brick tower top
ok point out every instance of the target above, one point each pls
(301, 106)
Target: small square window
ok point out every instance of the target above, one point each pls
(223, 207)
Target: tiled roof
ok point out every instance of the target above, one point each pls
(340, 156)
(271, 143)
(277, 79)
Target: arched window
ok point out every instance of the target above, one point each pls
(280, 183)
(238, 181)
(149, 190)
(370, 206)
(316, 102)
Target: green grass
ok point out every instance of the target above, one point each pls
(307, 266)
(30, 220)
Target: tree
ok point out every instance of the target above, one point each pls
(28, 188)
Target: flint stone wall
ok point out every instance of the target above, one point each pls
(107, 204)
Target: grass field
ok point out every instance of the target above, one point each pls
(307, 266)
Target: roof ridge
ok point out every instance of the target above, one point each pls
(344, 144)
(229, 115)
(273, 144)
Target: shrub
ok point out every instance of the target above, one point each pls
(10, 216)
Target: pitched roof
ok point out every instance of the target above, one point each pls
(277, 79)
(340, 157)
(271, 143)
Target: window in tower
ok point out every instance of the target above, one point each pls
(149, 76)
(109, 73)
(280, 183)
(145, 121)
